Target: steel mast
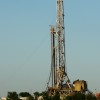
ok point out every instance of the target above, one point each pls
(60, 29)
(58, 56)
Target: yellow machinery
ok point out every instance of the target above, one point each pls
(80, 86)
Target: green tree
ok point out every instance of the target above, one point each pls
(56, 96)
(90, 97)
(45, 95)
(12, 96)
(69, 98)
(78, 96)
(26, 94)
(36, 94)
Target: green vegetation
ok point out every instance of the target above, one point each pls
(12, 96)
(80, 96)
(35, 95)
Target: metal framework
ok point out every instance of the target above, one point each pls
(58, 56)
(59, 78)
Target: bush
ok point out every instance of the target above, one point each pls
(90, 97)
(79, 96)
(69, 98)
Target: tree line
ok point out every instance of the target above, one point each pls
(35, 95)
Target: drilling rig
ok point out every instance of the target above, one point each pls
(60, 81)
(59, 78)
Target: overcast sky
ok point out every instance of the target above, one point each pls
(25, 57)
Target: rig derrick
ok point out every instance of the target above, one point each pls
(60, 81)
